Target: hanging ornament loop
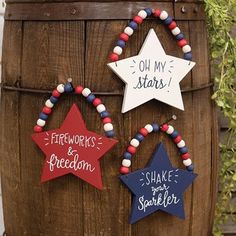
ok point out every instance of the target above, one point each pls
(150, 128)
(138, 20)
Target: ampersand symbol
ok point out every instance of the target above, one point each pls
(71, 151)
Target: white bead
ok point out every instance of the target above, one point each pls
(181, 144)
(126, 162)
(118, 50)
(86, 92)
(186, 49)
(187, 162)
(175, 31)
(108, 127)
(142, 14)
(100, 108)
(149, 128)
(49, 104)
(170, 129)
(41, 122)
(163, 15)
(60, 88)
(134, 142)
(128, 30)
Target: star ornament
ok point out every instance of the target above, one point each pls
(151, 75)
(73, 149)
(159, 186)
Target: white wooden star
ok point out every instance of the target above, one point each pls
(152, 75)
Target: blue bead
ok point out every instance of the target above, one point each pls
(155, 127)
(133, 25)
(53, 100)
(68, 87)
(188, 56)
(168, 20)
(183, 150)
(110, 133)
(174, 134)
(148, 11)
(43, 116)
(139, 137)
(190, 168)
(127, 155)
(121, 43)
(179, 36)
(104, 114)
(90, 98)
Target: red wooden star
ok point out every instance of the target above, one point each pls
(73, 149)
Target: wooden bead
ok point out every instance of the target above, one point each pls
(181, 144)
(100, 108)
(190, 167)
(128, 30)
(110, 133)
(114, 57)
(134, 142)
(86, 92)
(106, 120)
(41, 122)
(124, 37)
(185, 156)
(143, 131)
(49, 104)
(120, 43)
(186, 49)
(187, 162)
(149, 128)
(117, 50)
(47, 110)
(163, 15)
(133, 25)
(164, 127)
(60, 88)
(78, 89)
(108, 127)
(142, 14)
(55, 93)
(131, 149)
(182, 43)
(177, 139)
(138, 20)
(37, 128)
(148, 11)
(175, 31)
(124, 170)
(97, 101)
(157, 13)
(172, 25)
(170, 129)
(126, 162)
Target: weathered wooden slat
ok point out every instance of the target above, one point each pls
(9, 140)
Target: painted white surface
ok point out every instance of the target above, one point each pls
(152, 74)
(1, 35)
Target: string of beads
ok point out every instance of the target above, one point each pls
(138, 20)
(143, 132)
(85, 92)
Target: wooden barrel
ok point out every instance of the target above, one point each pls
(45, 42)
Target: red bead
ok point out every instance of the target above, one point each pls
(106, 120)
(37, 128)
(172, 25)
(164, 127)
(138, 19)
(124, 37)
(124, 170)
(55, 93)
(131, 149)
(47, 110)
(79, 89)
(157, 13)
(97, 102)
(182, 42)
(185, 156)
(114, 57)
(178, 139)
(143, 131)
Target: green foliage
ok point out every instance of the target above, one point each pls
(221, 16)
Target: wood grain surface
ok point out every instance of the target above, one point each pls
(40, 54)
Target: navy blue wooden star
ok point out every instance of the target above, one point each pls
(159, 186)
